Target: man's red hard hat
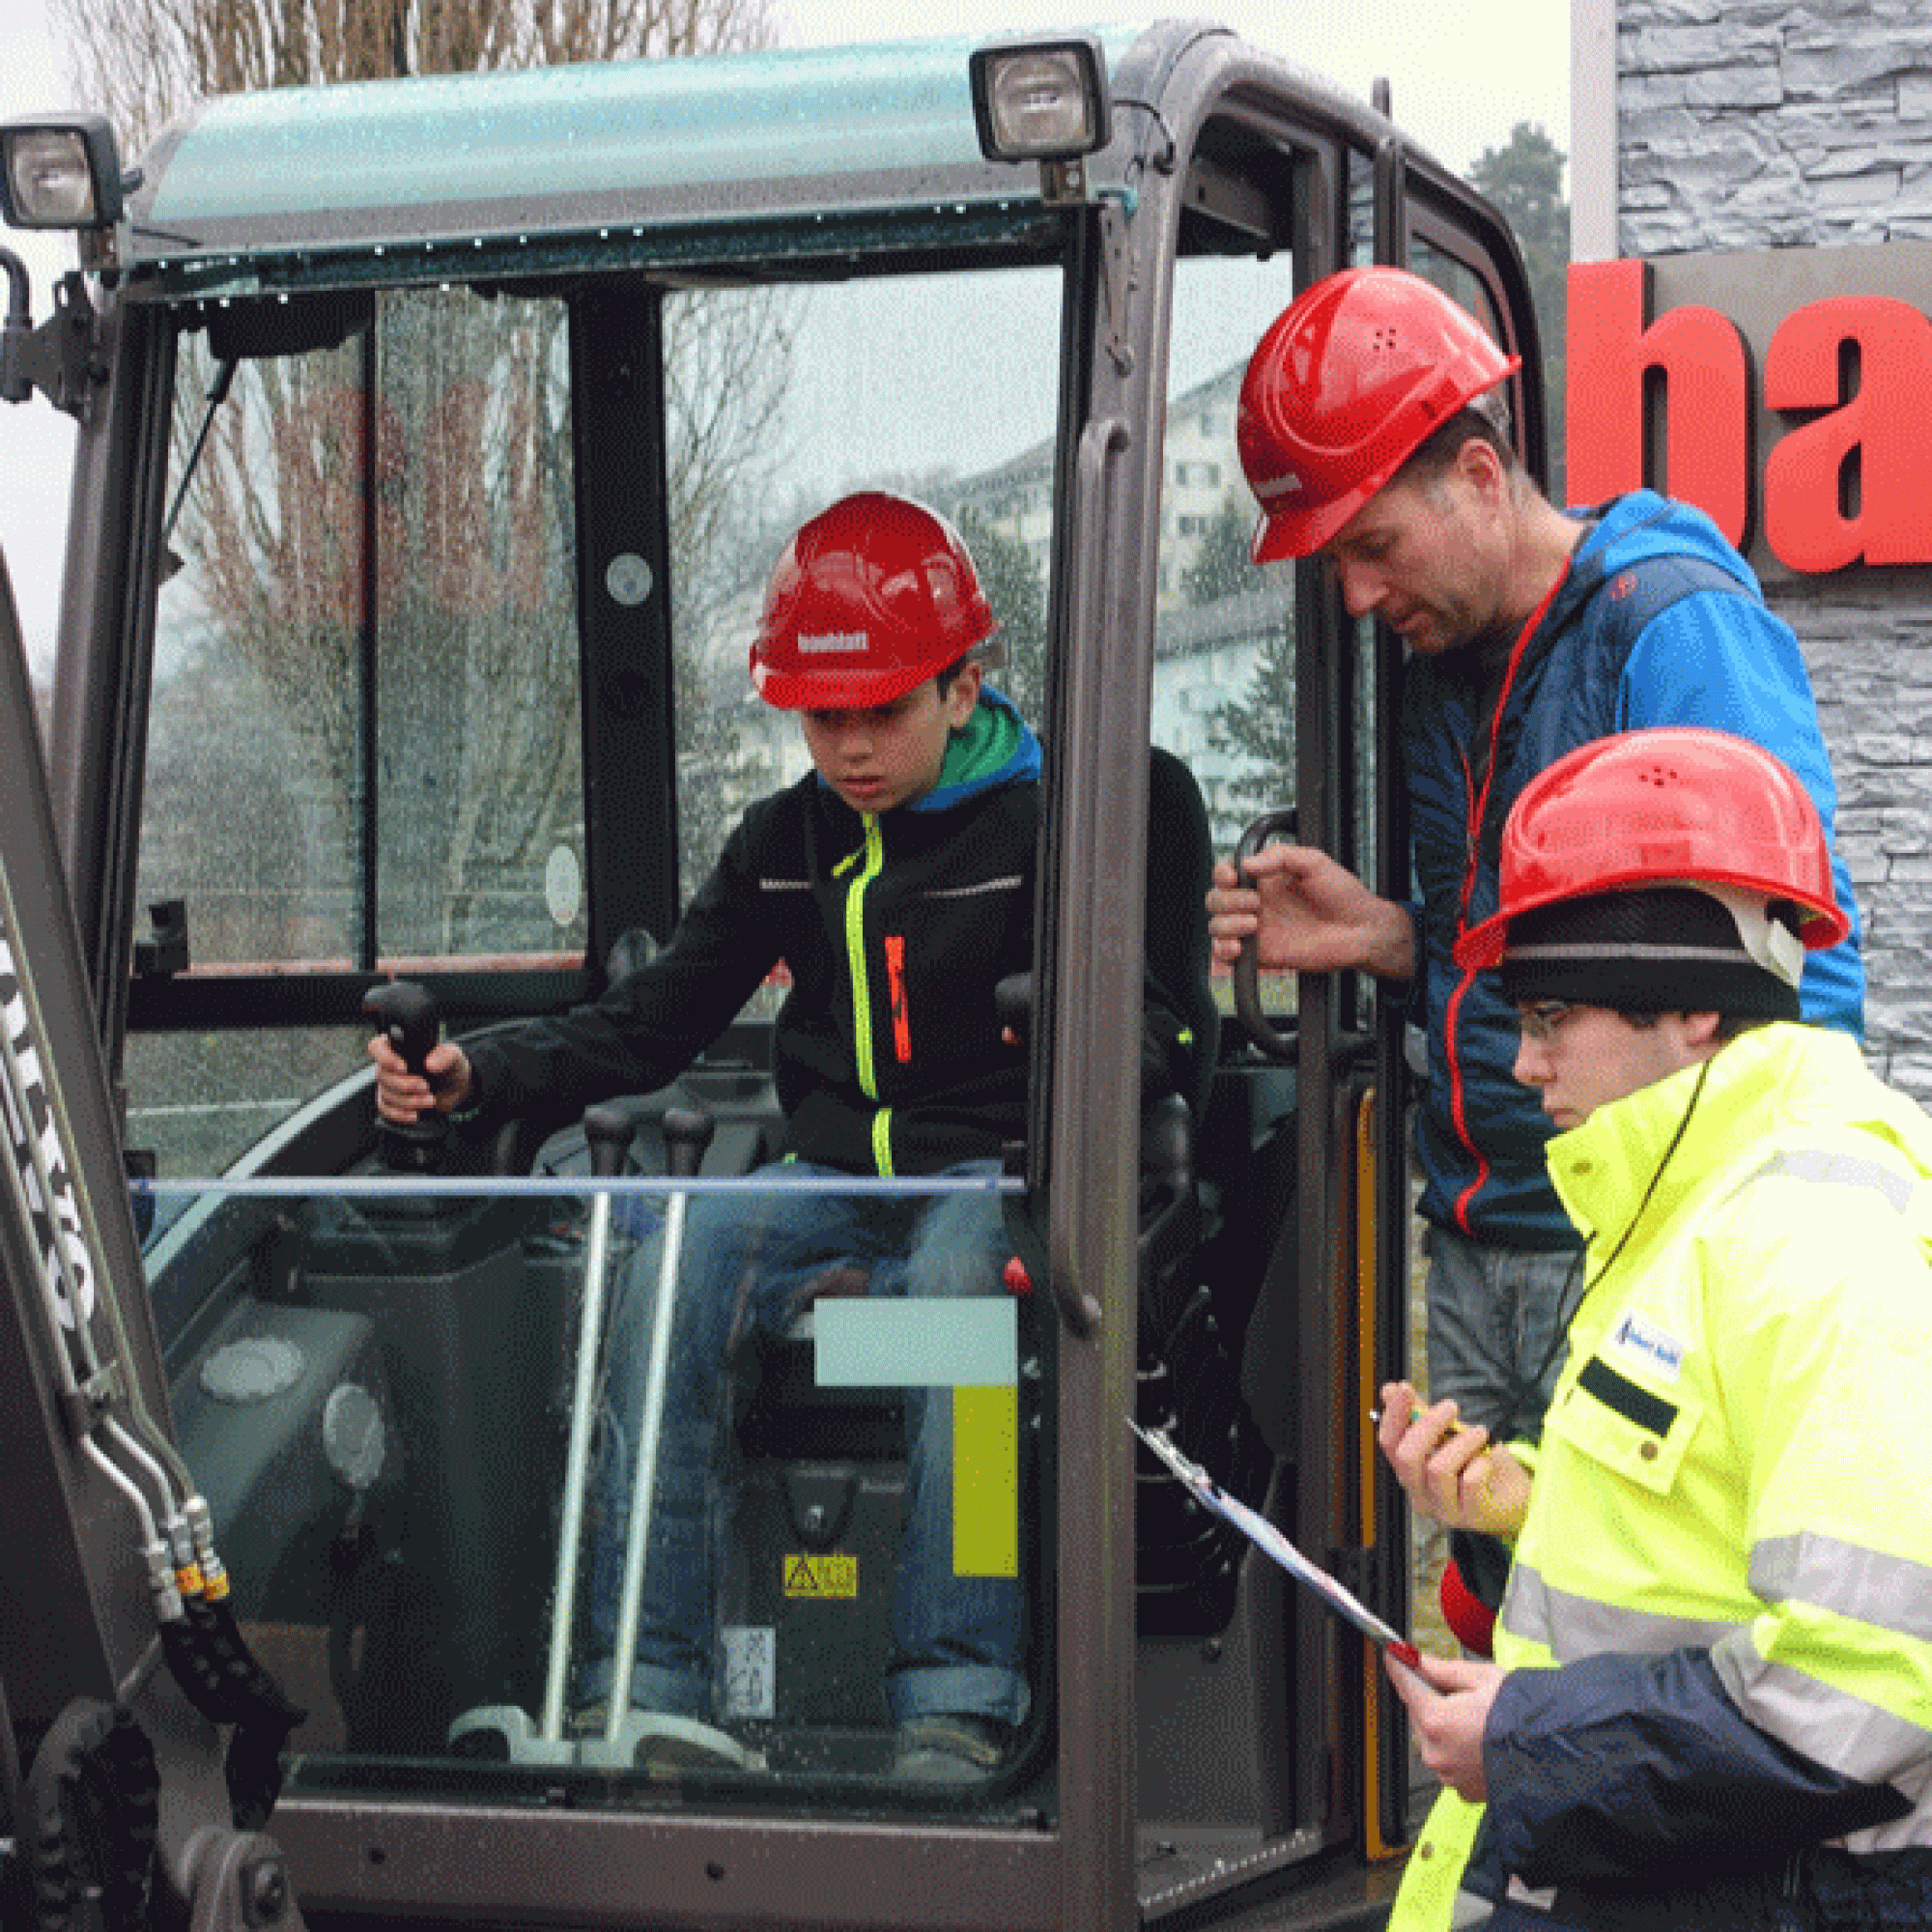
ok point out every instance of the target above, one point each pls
(1347, 385)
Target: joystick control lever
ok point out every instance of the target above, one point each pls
(608, 1133)
(407, 1017)
(687, 1133)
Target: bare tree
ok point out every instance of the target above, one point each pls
(453, 525)
(143, 62)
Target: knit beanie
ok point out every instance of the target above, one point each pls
(1659, 948)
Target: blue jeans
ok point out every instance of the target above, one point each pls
(748, 1261)
(1496, 1321)
(1497, 1335)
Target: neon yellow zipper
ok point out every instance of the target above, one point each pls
(874, 859)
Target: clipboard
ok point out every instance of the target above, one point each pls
(1266, 1537)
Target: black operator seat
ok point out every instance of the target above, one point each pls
(1187, 1380)
(1179, 870)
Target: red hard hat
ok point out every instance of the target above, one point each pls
(1668, 805)
(871, 597)
(1347, 385)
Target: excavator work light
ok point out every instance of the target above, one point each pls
(1040, 101)
(60, 174)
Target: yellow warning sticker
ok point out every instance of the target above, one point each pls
(828, 1575)
(985, 1482)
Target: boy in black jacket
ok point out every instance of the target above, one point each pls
(895, 883)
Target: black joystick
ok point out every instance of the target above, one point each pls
(687, 1133)
(608, 1133)
(407, 1017)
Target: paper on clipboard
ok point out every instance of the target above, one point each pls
(1266, 1537)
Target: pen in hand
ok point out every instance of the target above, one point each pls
(1491, 1488)
(1456, 1427)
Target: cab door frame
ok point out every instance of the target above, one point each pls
(1085, 1153)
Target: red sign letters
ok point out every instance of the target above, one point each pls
(1667, 402)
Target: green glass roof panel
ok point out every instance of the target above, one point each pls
(553, 150)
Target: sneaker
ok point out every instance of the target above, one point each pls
(949, 1749)
(659, 1743)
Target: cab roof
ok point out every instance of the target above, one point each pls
(374, 180)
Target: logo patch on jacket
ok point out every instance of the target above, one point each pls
(1661, 1351)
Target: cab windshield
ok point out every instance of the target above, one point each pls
(451, 686)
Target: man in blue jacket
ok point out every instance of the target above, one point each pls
(1373, 432)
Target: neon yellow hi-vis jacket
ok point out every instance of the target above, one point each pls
(1729, 1534)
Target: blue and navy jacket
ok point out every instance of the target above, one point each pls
(1656, 622)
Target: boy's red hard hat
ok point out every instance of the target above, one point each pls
(1347, 385)
(1672, 804)
(871, 597)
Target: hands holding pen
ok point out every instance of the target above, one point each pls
(1449, 1471)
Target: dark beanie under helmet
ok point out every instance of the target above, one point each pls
(1658, 949)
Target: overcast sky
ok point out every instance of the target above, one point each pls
(1461, 78)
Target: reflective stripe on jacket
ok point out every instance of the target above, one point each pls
(1730, 1528)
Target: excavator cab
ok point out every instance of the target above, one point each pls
(435, 441)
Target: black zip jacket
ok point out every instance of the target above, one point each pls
(893, 928)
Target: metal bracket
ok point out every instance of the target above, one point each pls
(164, 953)
(1391, 202)
(1063, 184)
(237, 1882)
(59, 358)
(88, 1401)
(1116, 278)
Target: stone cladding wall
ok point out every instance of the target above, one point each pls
(1763, 123)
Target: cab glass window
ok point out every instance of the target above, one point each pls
(418, 1396)
(1224, 675)
(364, 738)
(939, 386)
